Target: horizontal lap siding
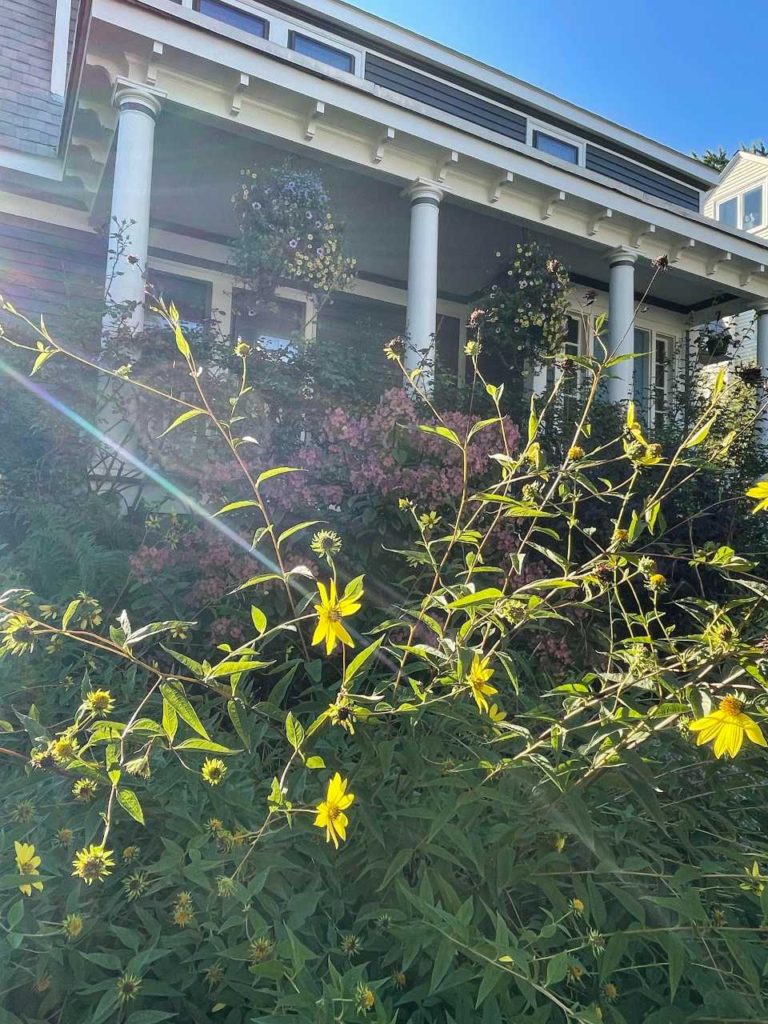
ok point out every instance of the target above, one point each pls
(628, 173)
(51, 271)
(444, 97)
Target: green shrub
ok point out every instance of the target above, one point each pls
(380, 802)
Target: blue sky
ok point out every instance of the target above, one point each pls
(689, 73)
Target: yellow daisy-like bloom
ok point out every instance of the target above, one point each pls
(72, 926)
(213, 770)
(479, 674)
(93, 863)
(27, 863)
(330, 813)
(727, 727)
(496, 714)
(65, 748)
(99, 702)
(330, 629)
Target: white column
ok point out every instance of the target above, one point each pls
(762, 362)
(621, 327)
(421, 315)
(131, 192)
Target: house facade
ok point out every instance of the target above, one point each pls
(143, 112)
(740, 200)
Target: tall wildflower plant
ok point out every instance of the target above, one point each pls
(376, 802)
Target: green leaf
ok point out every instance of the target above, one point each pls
(188, 415)
(207, 745)
(294, 731)
(230, 668)
(170, 720)
(16, 914)
(181, 342)
(268, 474)
(233, 710)
(315, 762)
(487, 596)
(295, 529)
(233, 505)
(533, 421)
(41, 360)
(359, 661)
(173, 694)
(557, 968)
(259, 619)
(130, 803)
(71, 609)
(149, 1017)
(700, 435)
(444, 432)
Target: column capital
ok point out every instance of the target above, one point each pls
(761, 309)
(621, 256)
(423, 190)
(128, 95)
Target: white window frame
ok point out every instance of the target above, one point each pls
(672, 341)
(246, 8)
(560, 136)
(331, 41)
(279, 26)
(739, 197)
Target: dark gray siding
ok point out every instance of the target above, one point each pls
(30, 118)
(616, 167)
(54, 272)
(444, 97)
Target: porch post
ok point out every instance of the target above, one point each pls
(138, 106)
(421, 314)
(621, 313)
(762, 362)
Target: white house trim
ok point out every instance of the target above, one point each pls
(60, 47)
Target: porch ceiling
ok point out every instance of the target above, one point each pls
(197, 168)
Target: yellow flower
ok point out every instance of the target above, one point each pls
(330, 813)
(760, 493)
(330, 629)
(127, 987)
(365, 999)
(93, 863)
(63, 837)
(213, 770)
(27, 862)
(326, 543)
(577, 905)
(727, 727)
(496, 714)
(85, 789)
(99, 702)
(72, 926)
(65, 748)
(479, 674)
(575, 453)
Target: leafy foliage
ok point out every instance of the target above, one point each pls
(519, 837)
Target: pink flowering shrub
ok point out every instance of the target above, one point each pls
(386, 456)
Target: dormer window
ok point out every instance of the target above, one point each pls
(322, 51)
(234, 16)
(744, 211)
(556, 143)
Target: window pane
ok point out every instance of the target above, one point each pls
(663, 356)
(322, 52)
(728, 212)
(191, 297)
(641, 367)
(234, 17)
(275, 328)
(753, 209)
(556, 147)
(351, 333)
